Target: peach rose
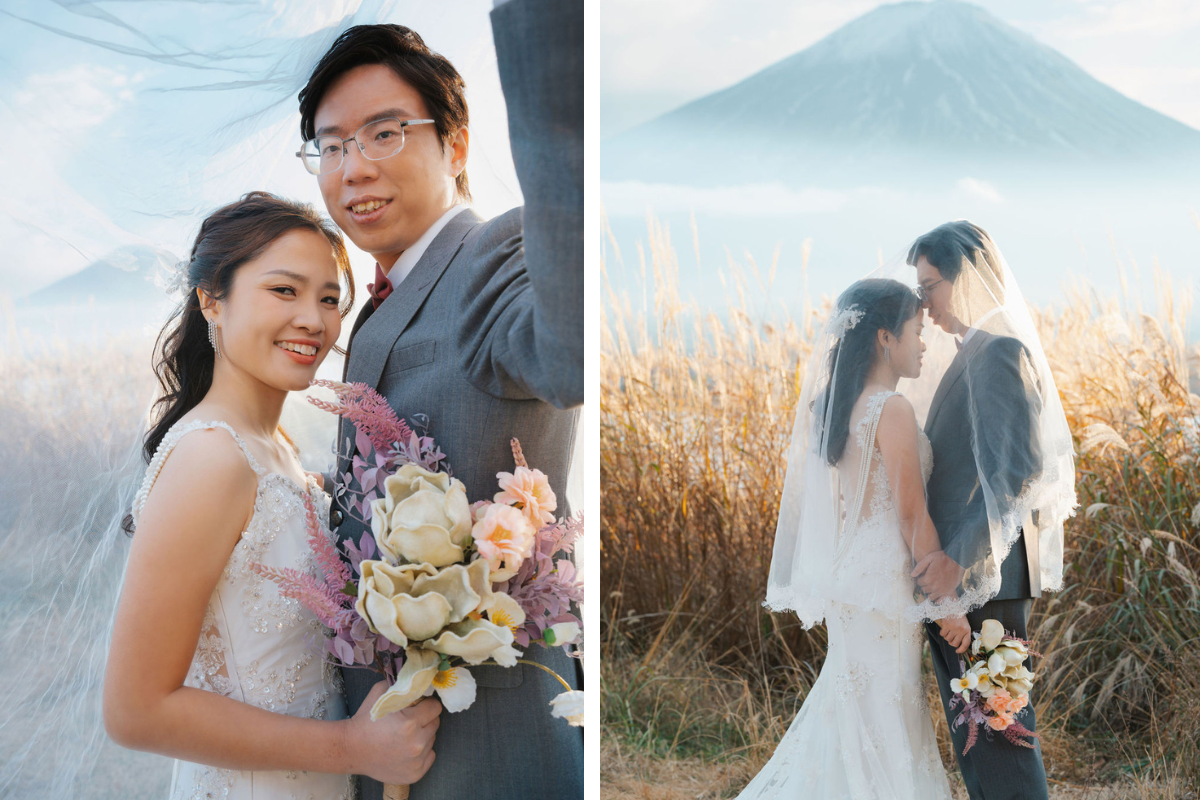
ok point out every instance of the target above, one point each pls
(529, 490)
(505, 538)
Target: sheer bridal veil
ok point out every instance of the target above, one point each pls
(1003, 454)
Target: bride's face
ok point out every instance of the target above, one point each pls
(280, 318)
(906, 354)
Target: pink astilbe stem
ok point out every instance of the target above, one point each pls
(1016, 732)
(337, 574)
(368, 411)
(518, 455)
(316, 596)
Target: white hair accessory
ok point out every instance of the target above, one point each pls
(174, 279)
(845, 320)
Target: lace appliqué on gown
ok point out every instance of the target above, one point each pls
(256, 646)
(864, 730)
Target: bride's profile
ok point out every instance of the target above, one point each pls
(208, 663)
(852, 522)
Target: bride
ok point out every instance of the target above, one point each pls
(208, 663)
(852, 523)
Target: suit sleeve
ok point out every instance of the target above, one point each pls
(1004, 401)
(534, 345)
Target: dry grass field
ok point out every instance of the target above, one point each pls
(699, 681)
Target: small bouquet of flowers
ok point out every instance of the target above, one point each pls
(439, 583)
(994, 687)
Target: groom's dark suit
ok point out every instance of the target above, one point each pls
(485, 337)
(980, 422)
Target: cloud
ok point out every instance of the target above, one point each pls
(980, 189)
(81, 96)
(755, 199)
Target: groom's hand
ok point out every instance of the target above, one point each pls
(938, 576)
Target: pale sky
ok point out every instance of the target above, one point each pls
(657, 54)
(135, 119)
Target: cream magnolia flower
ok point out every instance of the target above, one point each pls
(414, 602)
(505, 538)
(455, 688)
(1012, 655)
(420, 667)
(529, 489)
(568, 706)
(424, 517)
(996, 664)
(991, 633)
(965, 684)
(475, 641)
(561, 633)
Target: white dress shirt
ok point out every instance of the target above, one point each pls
(409, 258)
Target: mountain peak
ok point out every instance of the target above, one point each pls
(940, 82)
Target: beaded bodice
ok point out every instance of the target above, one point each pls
(873, 561)
(256, 645)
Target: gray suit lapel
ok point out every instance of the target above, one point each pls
(374, 340)
(952, 376)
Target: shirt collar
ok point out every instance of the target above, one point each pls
(971, 331)
(409, 258)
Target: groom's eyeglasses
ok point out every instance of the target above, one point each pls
(922, 292)
(376, 140)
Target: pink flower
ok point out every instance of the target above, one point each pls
(505, 538)
(998, 723)
(529, 490)
(1000, 702)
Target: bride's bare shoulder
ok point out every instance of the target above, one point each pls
(205, 463)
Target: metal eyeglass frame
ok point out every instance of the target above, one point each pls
(404, 123)
(922, 292)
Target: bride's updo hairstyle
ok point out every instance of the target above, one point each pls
(867, 307)
(228, 238)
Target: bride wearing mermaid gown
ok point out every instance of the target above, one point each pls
(208, 662)
(852, 523)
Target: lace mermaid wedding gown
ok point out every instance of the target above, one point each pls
(256, 646)
(864, 730)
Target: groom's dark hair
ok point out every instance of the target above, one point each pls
(402, 50)
(947, 245)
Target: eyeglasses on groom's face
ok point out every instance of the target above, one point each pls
(384, 173)
(934, 292)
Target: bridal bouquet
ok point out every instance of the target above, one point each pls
(439, 584)
(994, 688)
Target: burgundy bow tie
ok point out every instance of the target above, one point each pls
(381, 288)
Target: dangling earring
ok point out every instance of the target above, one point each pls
(212, 338)
(887, 354)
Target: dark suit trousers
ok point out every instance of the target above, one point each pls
(994, 769)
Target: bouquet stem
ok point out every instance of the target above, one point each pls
(393, 791)
(557, 677)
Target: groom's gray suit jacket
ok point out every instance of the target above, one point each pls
(987, 383)
(485, 338)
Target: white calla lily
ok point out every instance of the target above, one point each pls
(991, 633)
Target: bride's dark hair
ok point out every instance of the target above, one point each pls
(885, 304)
(228, 238)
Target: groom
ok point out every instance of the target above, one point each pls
(476, 325)
(953, 261)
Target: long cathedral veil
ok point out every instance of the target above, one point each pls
(133, 120)
(1012, 450)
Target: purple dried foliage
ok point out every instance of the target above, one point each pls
(545, 587)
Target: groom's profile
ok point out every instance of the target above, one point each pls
(980, 425)
(474, 326)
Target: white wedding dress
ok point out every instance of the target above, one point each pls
(255, 645)
(864, 732)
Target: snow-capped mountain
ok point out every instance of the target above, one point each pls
(941, 81)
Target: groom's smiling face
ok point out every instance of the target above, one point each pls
(384, 206)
